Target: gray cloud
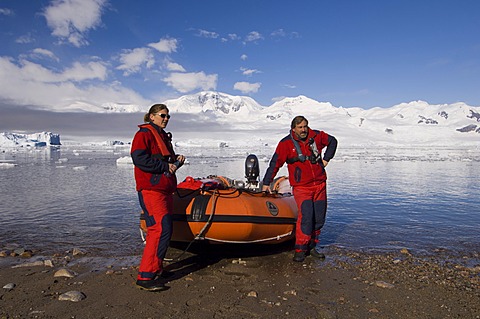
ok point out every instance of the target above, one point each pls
(113, 126)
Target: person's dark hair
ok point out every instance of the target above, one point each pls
(297, 120)
(155, 108)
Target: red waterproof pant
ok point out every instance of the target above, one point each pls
(158, 210)
(312, 208)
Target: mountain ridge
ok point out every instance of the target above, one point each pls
(415, 122)
(209, 117)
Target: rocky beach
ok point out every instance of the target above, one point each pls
(217, 281)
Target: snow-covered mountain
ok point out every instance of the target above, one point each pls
(416, 122)
(238, 109)
(29, 140)
(216, 104)
(120, 107)
(289, 107)
(79, 106)
(245, 112)
(214, 118)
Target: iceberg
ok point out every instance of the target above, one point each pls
(42, 139)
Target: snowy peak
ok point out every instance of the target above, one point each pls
(214, 103)
(300, 102)
(120, 108)
(421, 112)
(289, 107)
(227, 104)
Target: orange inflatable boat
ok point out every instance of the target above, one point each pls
(221, 210)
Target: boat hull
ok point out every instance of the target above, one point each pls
(233, 216)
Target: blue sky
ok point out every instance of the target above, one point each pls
(56, 54)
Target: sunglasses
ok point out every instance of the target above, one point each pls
(163, 115)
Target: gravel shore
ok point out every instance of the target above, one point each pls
(245, 282)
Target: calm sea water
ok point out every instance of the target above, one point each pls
(53, 201)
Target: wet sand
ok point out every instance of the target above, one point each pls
(248, 282)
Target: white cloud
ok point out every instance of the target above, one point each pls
(24, 39)
(174, 67)
(39, 52)
(207, 34)
(280, 33)
(186, 82)
(87, 71)
(29, 71)
(246, 87)
(28, 83)
(72, 19)
(290, 86)
(6, 12)
(233, 36)
(165, 45)
(132, 60)
(243, 57)
(249, 72)
(253, 36)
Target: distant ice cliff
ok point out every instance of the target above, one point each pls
(8, 139)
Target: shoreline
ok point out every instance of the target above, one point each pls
(249, 282)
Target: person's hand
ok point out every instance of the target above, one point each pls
(181, 159)
(266, 188)
(172, 168)
(325, 163)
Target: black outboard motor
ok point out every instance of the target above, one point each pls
(252, 169)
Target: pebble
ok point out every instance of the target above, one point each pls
(78, 251)
(19, 251)
(252, 294)
(64, 273)
(193, 302)
(292, 292)
(72, 295)
(383, 284)
(26, 254)
(239, 261)
(9, 286)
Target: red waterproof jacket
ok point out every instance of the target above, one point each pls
(151, 152)
(307, 172)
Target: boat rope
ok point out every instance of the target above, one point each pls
(200, 235)
(278, 237)
(209, 221)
